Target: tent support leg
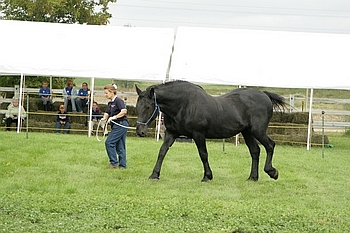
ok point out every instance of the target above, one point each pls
(310, 119)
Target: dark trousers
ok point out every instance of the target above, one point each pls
(66, 126)
(9, 121)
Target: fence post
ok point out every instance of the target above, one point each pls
(16, 92)
(323, 134)
(27, 118)
(291, 103)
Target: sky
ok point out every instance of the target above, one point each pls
(327, 16)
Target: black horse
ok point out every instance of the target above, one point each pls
(190, 111)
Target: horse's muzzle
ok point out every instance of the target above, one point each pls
(142, 130)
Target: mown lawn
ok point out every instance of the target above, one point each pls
(60, 183)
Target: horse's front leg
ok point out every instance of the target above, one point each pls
(169, 139)
(199, 139)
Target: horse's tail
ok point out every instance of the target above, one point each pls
(279, 103)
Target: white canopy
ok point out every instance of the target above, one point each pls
(201, 55)
(261, 58)
(71, 50)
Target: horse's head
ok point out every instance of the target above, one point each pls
(146, 108)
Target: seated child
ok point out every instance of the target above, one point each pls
(45, 96)
(96, 115)
(62, 120)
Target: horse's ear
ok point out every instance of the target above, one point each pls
(138, 90)
(151, 92)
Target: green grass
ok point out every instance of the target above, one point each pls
(60, 183)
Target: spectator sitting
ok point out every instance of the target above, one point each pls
(62, 120)
(69, 94)
(83, 97)
(96, 115)
(162, 126)
(12, 114)
(45, 96)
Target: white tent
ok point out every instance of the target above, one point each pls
(261, 58)
(72, 50)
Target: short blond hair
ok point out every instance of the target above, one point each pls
(111, 88)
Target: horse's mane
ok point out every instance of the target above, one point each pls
(170, 83)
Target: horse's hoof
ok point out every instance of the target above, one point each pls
(206, 179)
(252, 179)
(276, 175)
(153, 178)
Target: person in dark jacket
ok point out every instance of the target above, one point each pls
(116, 115)
(62, 120)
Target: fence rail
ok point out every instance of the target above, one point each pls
(330, 125)
(29, 90)
(56, 93)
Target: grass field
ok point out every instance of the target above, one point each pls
(60, 183)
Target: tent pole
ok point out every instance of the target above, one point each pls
(27, 118)
(309, 123)
(20, 103)
(306, 98)
(51, 88)
(237, 135)
(159, 121)
(91, 100)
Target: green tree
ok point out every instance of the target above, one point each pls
(32, 81)
(57, 11)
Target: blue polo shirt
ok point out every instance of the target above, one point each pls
(83, 92)
(114, 107)
(69, 90)
(44, 92)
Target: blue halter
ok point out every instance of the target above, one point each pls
(157, 108)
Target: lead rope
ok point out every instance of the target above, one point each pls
(104, 128)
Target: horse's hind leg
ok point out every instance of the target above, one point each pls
(254, 150)
(167, 143)
(269, 145)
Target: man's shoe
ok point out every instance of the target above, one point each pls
(113, 166)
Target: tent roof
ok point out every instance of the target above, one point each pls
(71, 50)
(201, 55)
(261, 58)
